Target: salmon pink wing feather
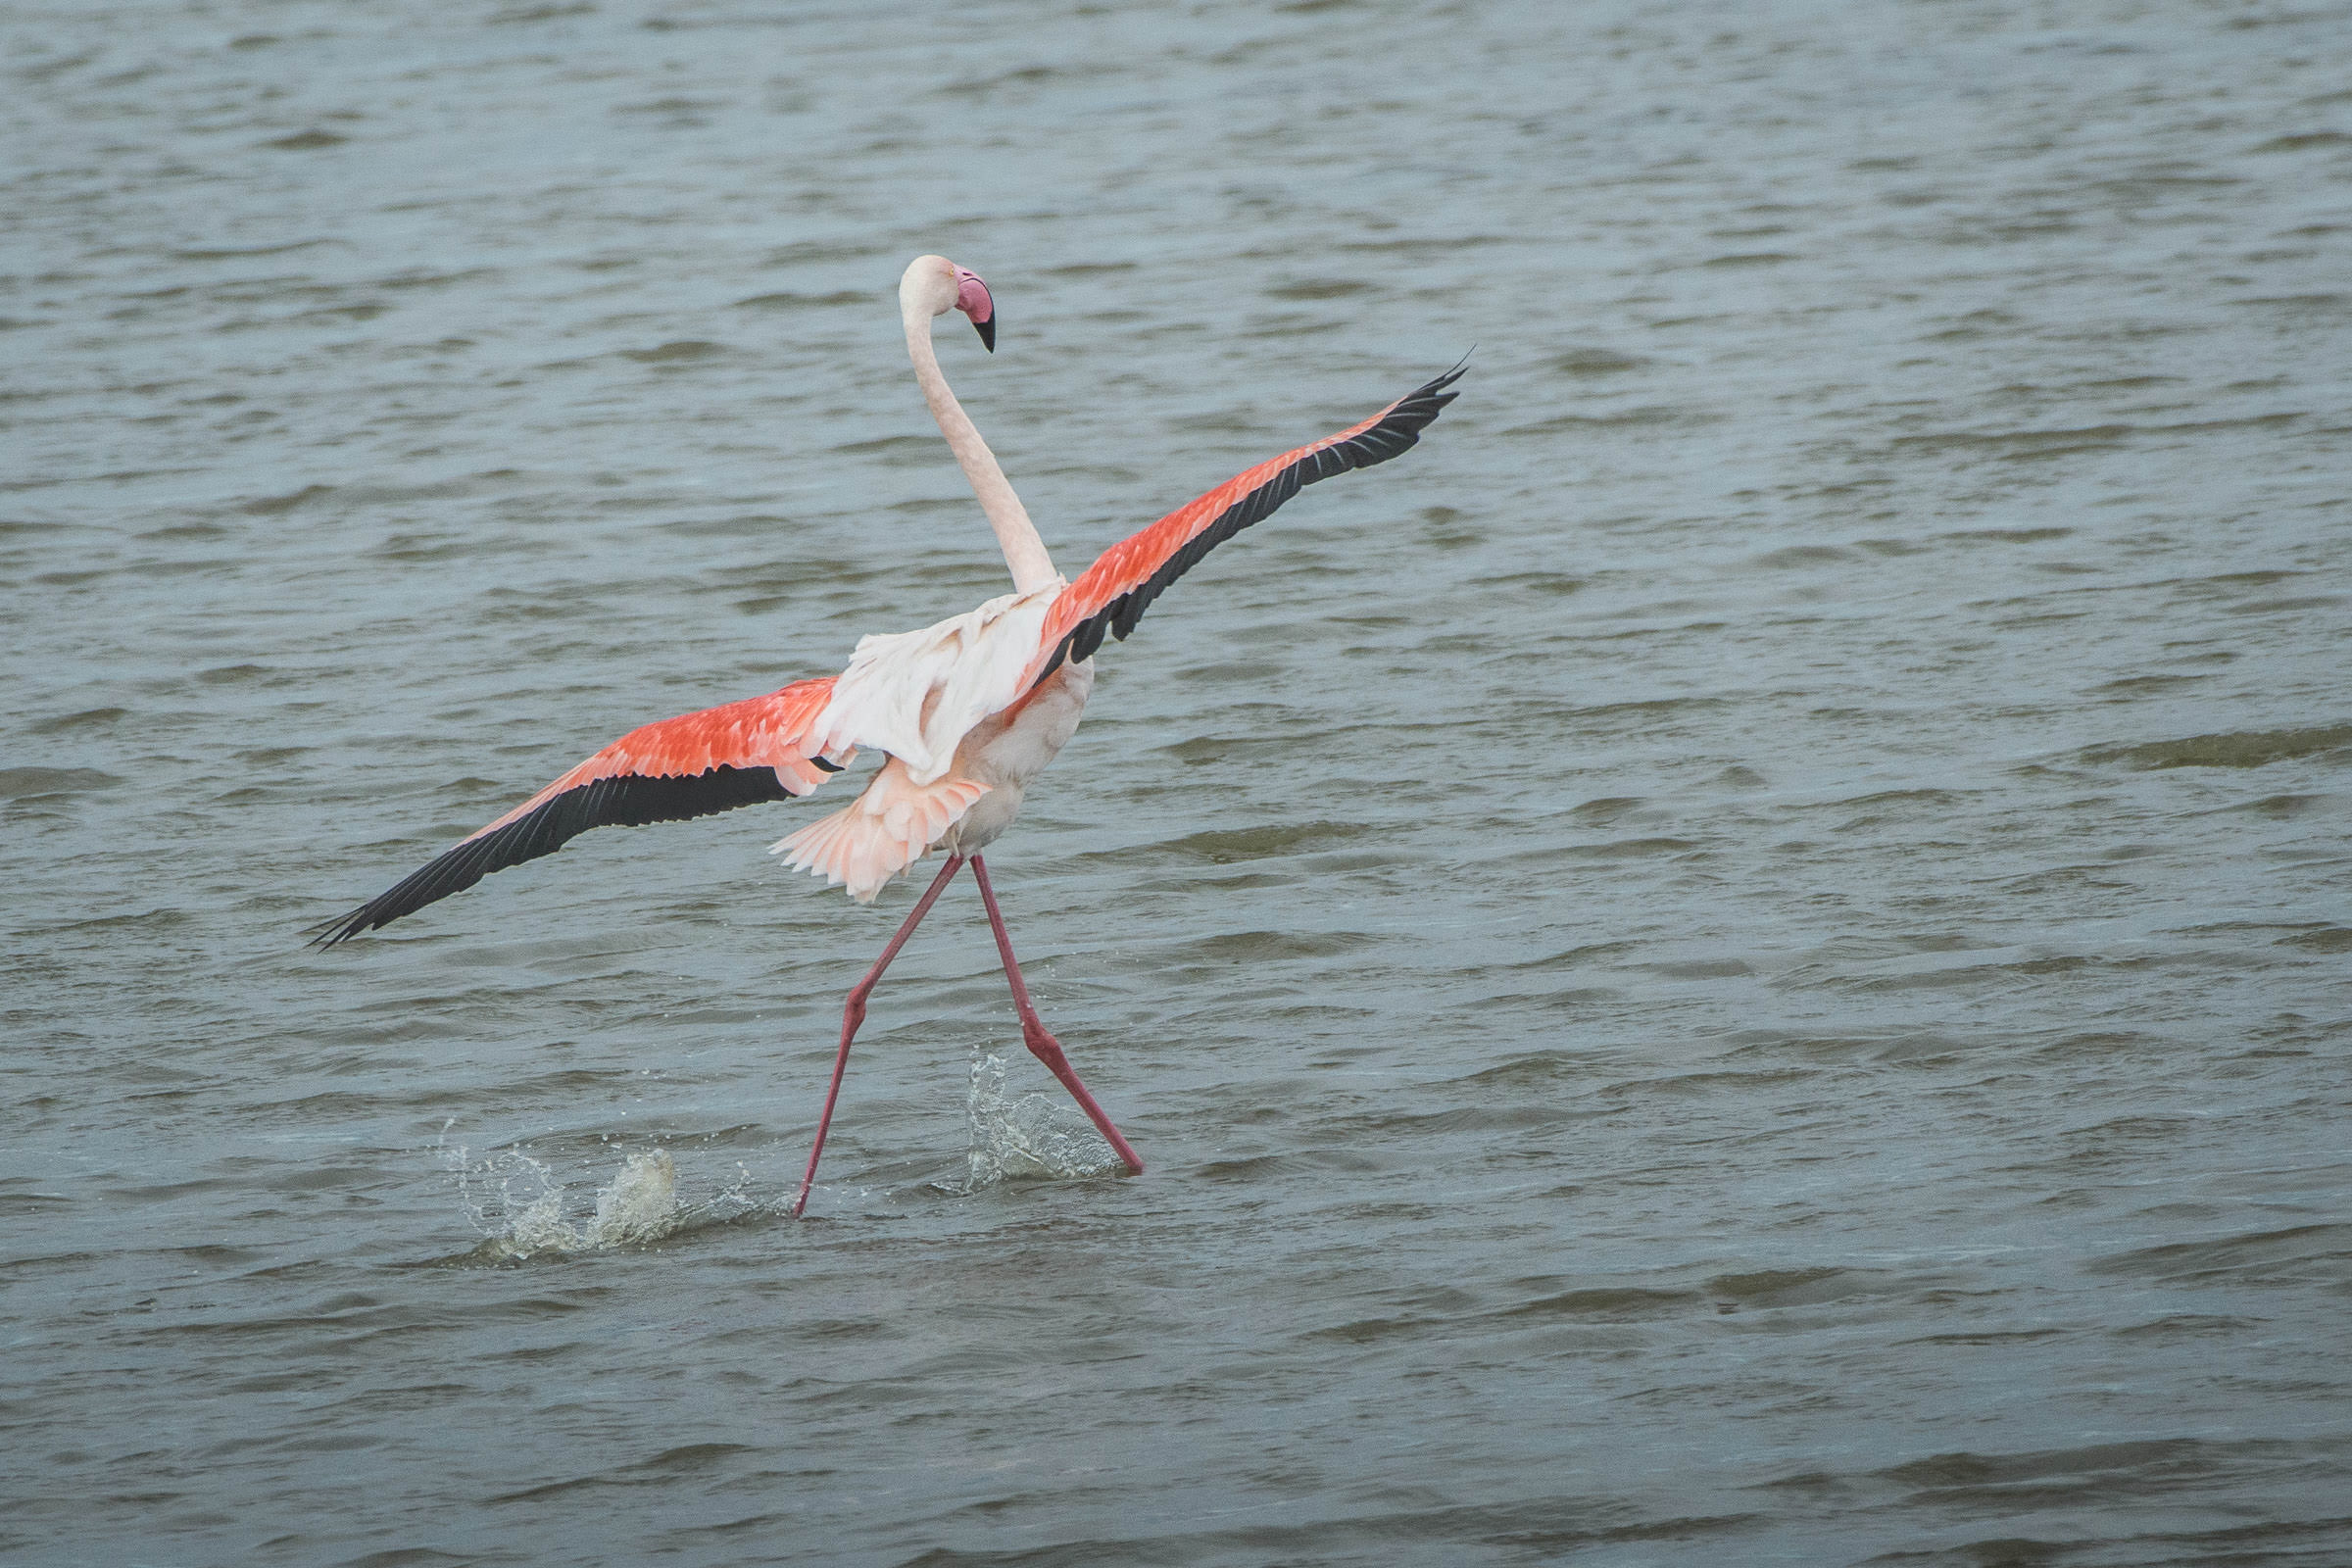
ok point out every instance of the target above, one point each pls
(1114, 592)
(740, 754)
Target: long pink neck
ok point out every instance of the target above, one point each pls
(1024, 551)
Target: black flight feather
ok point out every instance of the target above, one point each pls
(624, 799)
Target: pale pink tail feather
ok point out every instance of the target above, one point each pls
(881, 833)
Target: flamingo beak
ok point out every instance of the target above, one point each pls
(973, 300)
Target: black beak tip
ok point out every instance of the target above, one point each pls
(988, 332)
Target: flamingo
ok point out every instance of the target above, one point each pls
(965, 712)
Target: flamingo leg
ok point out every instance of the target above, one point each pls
(853, 1012)
(1041, 1043)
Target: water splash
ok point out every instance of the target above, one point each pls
(1031, 1136)
(523, 1207)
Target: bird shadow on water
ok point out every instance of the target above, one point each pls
(525, 1208)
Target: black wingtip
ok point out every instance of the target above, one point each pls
(1461, 367)
(327, 933)
(342, 928)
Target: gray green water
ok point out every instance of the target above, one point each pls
(1741, 959)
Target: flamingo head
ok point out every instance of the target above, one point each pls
(934, 285)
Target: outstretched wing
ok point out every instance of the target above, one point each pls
(757, 750)
(1119, 587)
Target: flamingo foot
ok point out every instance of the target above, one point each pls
(1040, 1040)
(1047, 1050)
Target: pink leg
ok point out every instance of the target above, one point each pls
(853, 1013)
(1042, 1044)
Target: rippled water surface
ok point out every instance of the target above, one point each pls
(1739, 958)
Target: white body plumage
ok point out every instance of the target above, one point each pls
(946, 703)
